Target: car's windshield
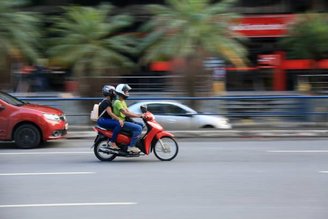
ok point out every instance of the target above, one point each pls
(10, 99)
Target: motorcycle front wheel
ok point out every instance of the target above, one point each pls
(166, 149)
(101, 151)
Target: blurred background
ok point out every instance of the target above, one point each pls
(204, 48)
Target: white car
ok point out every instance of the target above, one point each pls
(176, 116)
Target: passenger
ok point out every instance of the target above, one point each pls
(107, 119)
(122, 111)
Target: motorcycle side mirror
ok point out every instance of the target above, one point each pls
(143, 108)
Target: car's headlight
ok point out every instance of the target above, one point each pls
(52, 117)
(224, 121)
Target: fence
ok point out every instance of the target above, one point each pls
(260, 110)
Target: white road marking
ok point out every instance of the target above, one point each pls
(50, 173)
(67, 204)
(298, 151)
(46, 153)
(325, 171)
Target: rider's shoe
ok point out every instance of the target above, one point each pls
(112, 147)
(133, 149)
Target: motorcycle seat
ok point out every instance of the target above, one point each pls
(123, 131)
(126, 132)
(99, 127)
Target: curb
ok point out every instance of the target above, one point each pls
(222, 133)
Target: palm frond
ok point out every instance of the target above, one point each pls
(308, 37)
(19, 30)
(91, 35)
(185, 27)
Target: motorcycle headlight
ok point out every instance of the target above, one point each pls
(52, 117)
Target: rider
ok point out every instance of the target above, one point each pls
(122, 111)
(107, 118)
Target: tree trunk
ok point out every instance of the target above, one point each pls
(189, 80)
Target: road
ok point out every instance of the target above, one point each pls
(210, 178)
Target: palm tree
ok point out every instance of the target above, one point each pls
(88, 40)
(191, 30)
(19, 33)
(308, 38)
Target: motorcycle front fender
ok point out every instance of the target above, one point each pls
(158, 136)
(164, 134)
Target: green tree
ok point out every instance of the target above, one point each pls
(90, 41)
(191, 30)
(308, 37)
(19, 33)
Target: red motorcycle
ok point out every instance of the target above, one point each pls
(155, 139)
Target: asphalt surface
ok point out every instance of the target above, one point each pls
(210, 178)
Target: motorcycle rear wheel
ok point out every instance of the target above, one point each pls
(100, 149)
(166, 149)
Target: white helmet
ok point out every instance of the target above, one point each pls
(123, 90)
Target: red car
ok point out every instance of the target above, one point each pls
(27, 124)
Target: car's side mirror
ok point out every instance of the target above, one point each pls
(143, 108)
(2, 107)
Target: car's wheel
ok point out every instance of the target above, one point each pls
(27, 136)
(208, 127)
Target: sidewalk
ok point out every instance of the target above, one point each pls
(82, 132)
